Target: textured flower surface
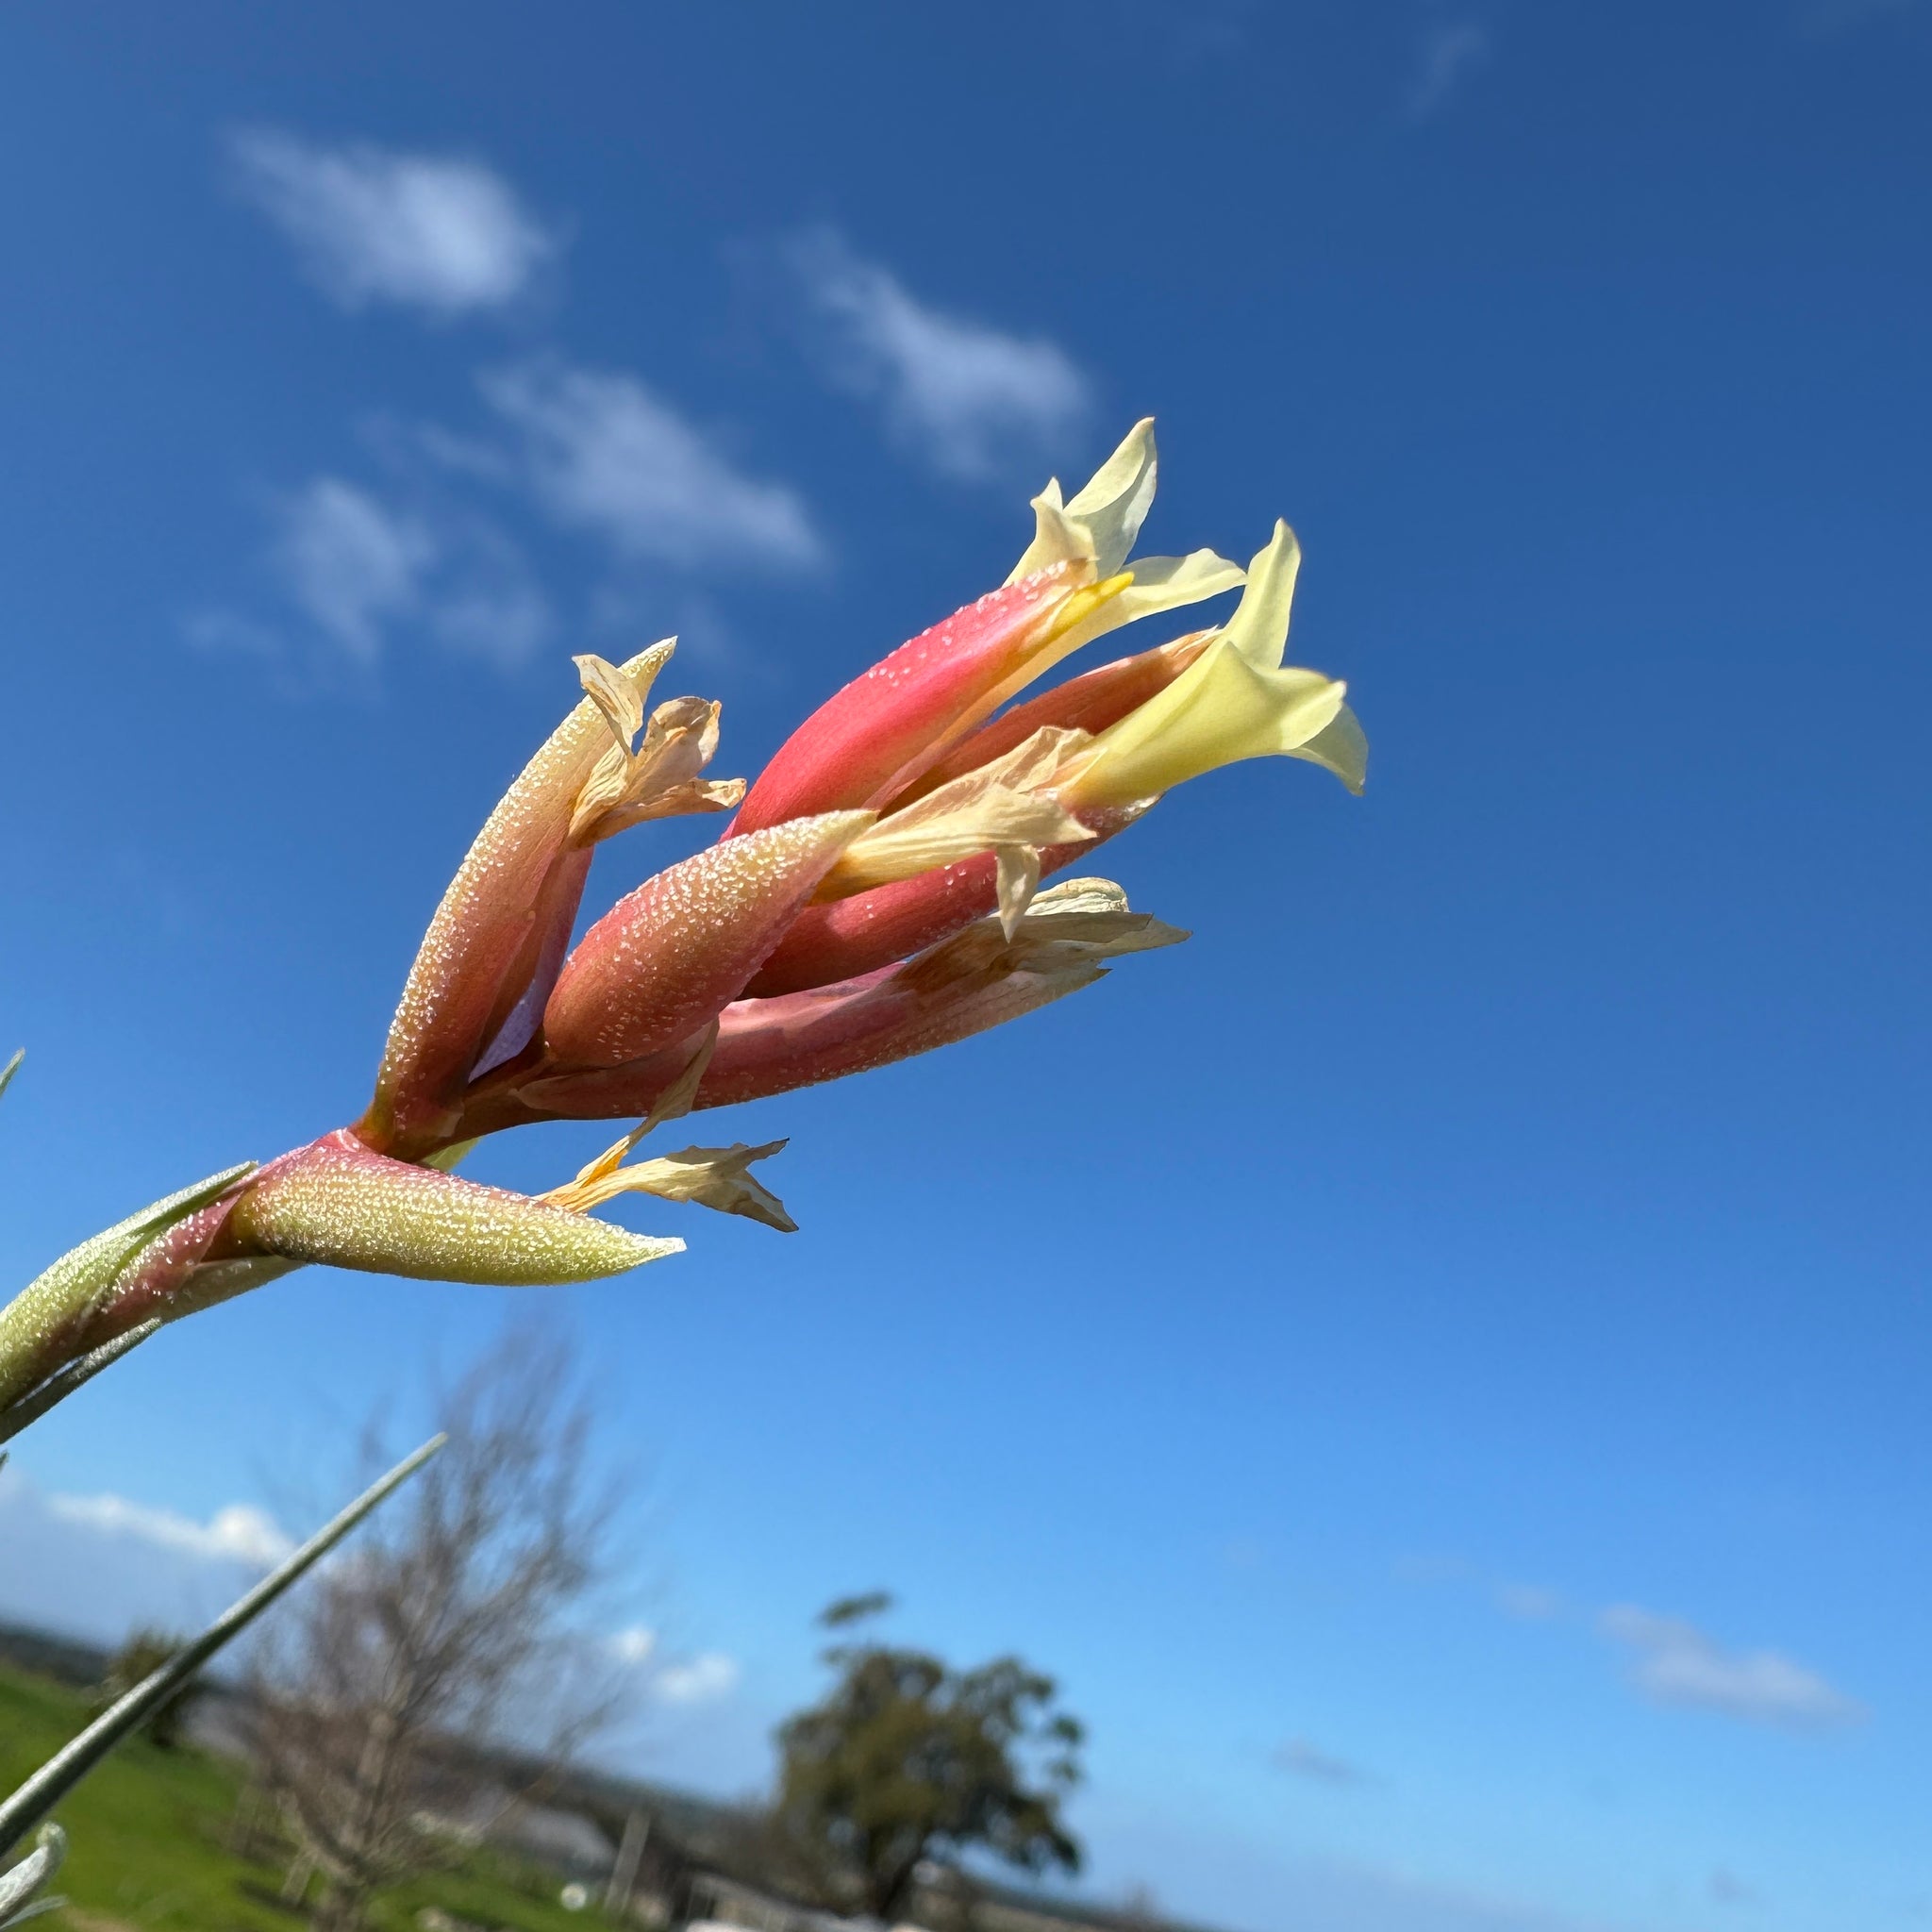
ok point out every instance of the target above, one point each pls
(877, 893)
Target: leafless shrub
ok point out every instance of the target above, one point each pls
(435, 1675)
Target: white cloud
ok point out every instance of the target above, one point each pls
(701, 1679)
(351, 563)
(434, 232)
(635, 1646)
(1675, 1662)
(415, 553)
(972, 400)
(1449, 55)
(606, 454)
(709, 1675)
(1303, 1759)
(238, 1533)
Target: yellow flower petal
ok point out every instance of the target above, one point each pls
(1018, 879)
(1007, 804)
(1160, 583)
(1341, 748)
(1099, 526)
(1220, 710)
(1258, 628)
(716, 1177)
(1236, 701)
(1096, 531)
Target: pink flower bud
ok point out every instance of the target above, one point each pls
(673, 954)
(499, 934)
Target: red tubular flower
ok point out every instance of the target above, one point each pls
(877, 737)
(874, 737)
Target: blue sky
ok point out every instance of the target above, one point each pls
(1436, 1364)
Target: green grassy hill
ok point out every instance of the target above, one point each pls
(151, 1835)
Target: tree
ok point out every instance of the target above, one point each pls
(908, 1760)
(144, 1652)
(447, 1645)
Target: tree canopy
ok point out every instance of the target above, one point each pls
(908, 1760)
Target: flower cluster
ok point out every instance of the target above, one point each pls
(876, 893)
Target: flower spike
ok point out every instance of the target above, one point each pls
(878, 894)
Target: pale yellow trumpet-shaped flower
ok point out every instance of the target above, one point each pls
(1236, 701)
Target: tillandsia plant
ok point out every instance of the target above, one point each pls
(876, 894)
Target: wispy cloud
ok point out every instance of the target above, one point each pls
(1300, 1759)
(425, 552)
(238, 1534)
(970, 399)
(606, 454)
(351, 563)
(701, 1679)
(1676, 1663)
(358, 567)
(1528, 1603)
(487, 604)
(1447, 56)
(1672, 1661)
(439, 233)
